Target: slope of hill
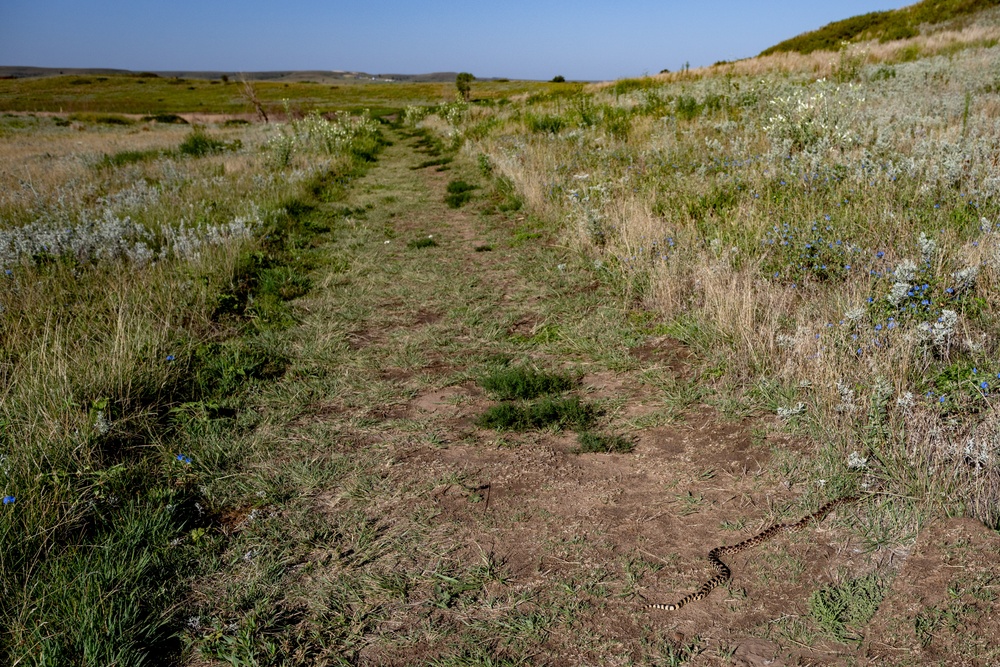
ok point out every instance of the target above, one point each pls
(883, 26)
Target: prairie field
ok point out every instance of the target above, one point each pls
(472, 383)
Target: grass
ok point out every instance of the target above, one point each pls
(883, 26)
(155, 96)
(518, 382)
(425, 242)
(155, 366)
(604, 444)
(559, 413)
(236, 423)
(459, 193)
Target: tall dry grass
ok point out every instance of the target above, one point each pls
(778, 211)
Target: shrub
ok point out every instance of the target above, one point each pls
(167, 118)
(199, 144)
(525, 383)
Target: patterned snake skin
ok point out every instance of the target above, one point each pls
(723, 571)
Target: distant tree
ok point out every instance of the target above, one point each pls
(559, 78)
(463, 82)
(225, 78)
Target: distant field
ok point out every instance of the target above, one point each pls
(150, 95)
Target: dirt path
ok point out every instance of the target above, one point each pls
(417, 537)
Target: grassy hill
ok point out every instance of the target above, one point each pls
(883, 26)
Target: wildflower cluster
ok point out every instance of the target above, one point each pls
(318, 135)
(811, 251)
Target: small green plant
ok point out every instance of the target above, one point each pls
(596, 443)
(545, 123)
(199, 144)
(425, 242)
(525, 383)
(545, 413)
(843, 610)
(459, 193)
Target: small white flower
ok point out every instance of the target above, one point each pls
(854, 314)
(788, 412)
(856, 462)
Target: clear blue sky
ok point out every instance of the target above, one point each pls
(537, 39)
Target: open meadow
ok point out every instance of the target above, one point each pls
(473, 383)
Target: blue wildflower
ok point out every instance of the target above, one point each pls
(880, 254)
(984, 385)
(170, 357)
(184, 459)
(9, 500)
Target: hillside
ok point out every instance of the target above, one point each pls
(884, 26)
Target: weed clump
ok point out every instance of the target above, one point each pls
(459, 193)
(525, 383)
(557, 413)
(596, 443)
(426, 242)
(199, 144)
(840, 610)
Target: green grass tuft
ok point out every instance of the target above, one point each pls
(426, 242)
(545, 413)
(199, 144)
(596, 443)
(525, 383)
(459, 193)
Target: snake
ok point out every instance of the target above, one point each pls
(723, 573)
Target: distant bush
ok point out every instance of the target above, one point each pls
(235, 122)
(102, 119)
(198, 144)
(559, 78)
(165, 118)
